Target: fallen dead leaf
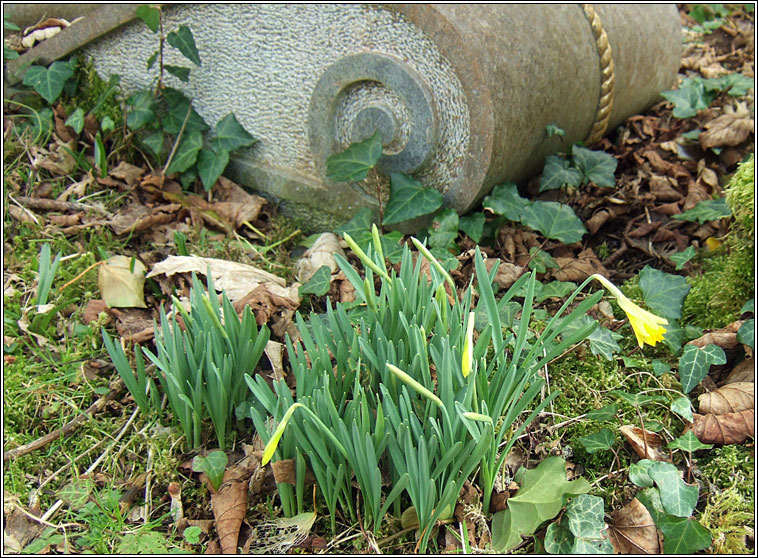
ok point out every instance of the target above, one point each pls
(18, 529)
(236, 279)
(633, 530)
(579, 268)
(646, 444)
(731, 398)
(127, 172)
(743, 372)
(507, 273)
(136, 218)
(320, 254)
(229, 503)
(664, 188)
(267, 299)
(121, 280)
(729, 428)
(727, 130)
(726, 337)
(275, 353)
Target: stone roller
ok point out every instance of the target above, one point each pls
(461, 93)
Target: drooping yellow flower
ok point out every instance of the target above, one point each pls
(648, 327)
(468, 347)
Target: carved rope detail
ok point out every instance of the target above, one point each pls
(608, 77)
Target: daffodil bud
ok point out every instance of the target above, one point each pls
(468, 347)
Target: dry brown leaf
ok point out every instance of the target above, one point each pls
(65, 220)
(229, 503)
(275, 352)
(507, 273)
(267, 299)
(743, 372)
(598, 219)
(647, 446)
(731, 398)
(134, 324)
(18, 529)
(236, 279)
(726, 337)
(729, 428)
(127, 172)
(726, 130)
(320, 254)
(633, 530)
(579, 268)
(136, 218)
(93, 310)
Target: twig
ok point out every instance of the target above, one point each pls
(82, 274)
(67, 428)
(55, 205)
(24, 209)
(178, 139)
(47, 523)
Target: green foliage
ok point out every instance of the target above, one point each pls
(319, 283)
(681, 258)
(150, 15)
(230, 135)
(706, 210)
(49, 82)
(602, 341)
(353, 164)
(688, 442)
(746, 333)
(582, 167)
(543, 492)
(696, 94)
(202, 366)
(581, 530)
(599, 441)
(409, 199)
(505, 200)
(473, 225)
(682, 407)
(559, 172)
(663, 293)
(695, 363)
(183, 40)
(213, 465)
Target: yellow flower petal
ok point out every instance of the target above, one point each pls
(648, 328)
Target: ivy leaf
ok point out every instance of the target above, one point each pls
(558, 539)
(473, 226)
(677, 497)
(359, 227)
(213, 465)
(142, 111)
(637, 399)
(688, 442)
(178, 105)
(319, 283)
(151, 16)
(675, 336)
(739, 84)
(230, 135)
(152, 59)
(681, 258)
(49, 82)
(541, 260)
(553, 130)
(76, 120)
(353, 164)
(681, 536)
(155, 143)
(186, 154)
(603, 413)
(554, 220)
(585, 517)
(706, 210)
(660, 367)
(595, 166)
(749, 306)
(638, 473)
(557, 173)
(690, 98)
(746, 333)
(179, 71)
(599, 441)
(210, 165)
(695, 362)
(505, 200)
(683, 408)
(107, 124)
(444, 231)
(543, 492)
(409, 199)
(601, 340)
(663, 292)
(183, 40)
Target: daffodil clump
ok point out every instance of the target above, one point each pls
(400, 388)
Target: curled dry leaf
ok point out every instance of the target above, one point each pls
(633, 530)
(229, 503)
(127, 172)
(507, 273)
(743, 372)
(726, 130)
(726, 338)
(579, 268)
(646, 444)
(275, 352)
(236, 279)
(731, 398)
(729, 428)
(268, 299)
(135, 218)
(320, 254)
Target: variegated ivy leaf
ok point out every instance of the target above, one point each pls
(677, 497)
(663, 292)
(599, 441)
(683, 408)
(688, 442)
(695, 363)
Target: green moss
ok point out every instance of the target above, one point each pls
(730, 519)
(726, 280)
(728, 466)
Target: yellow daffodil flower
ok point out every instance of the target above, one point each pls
(468, 348)
(648, 327)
